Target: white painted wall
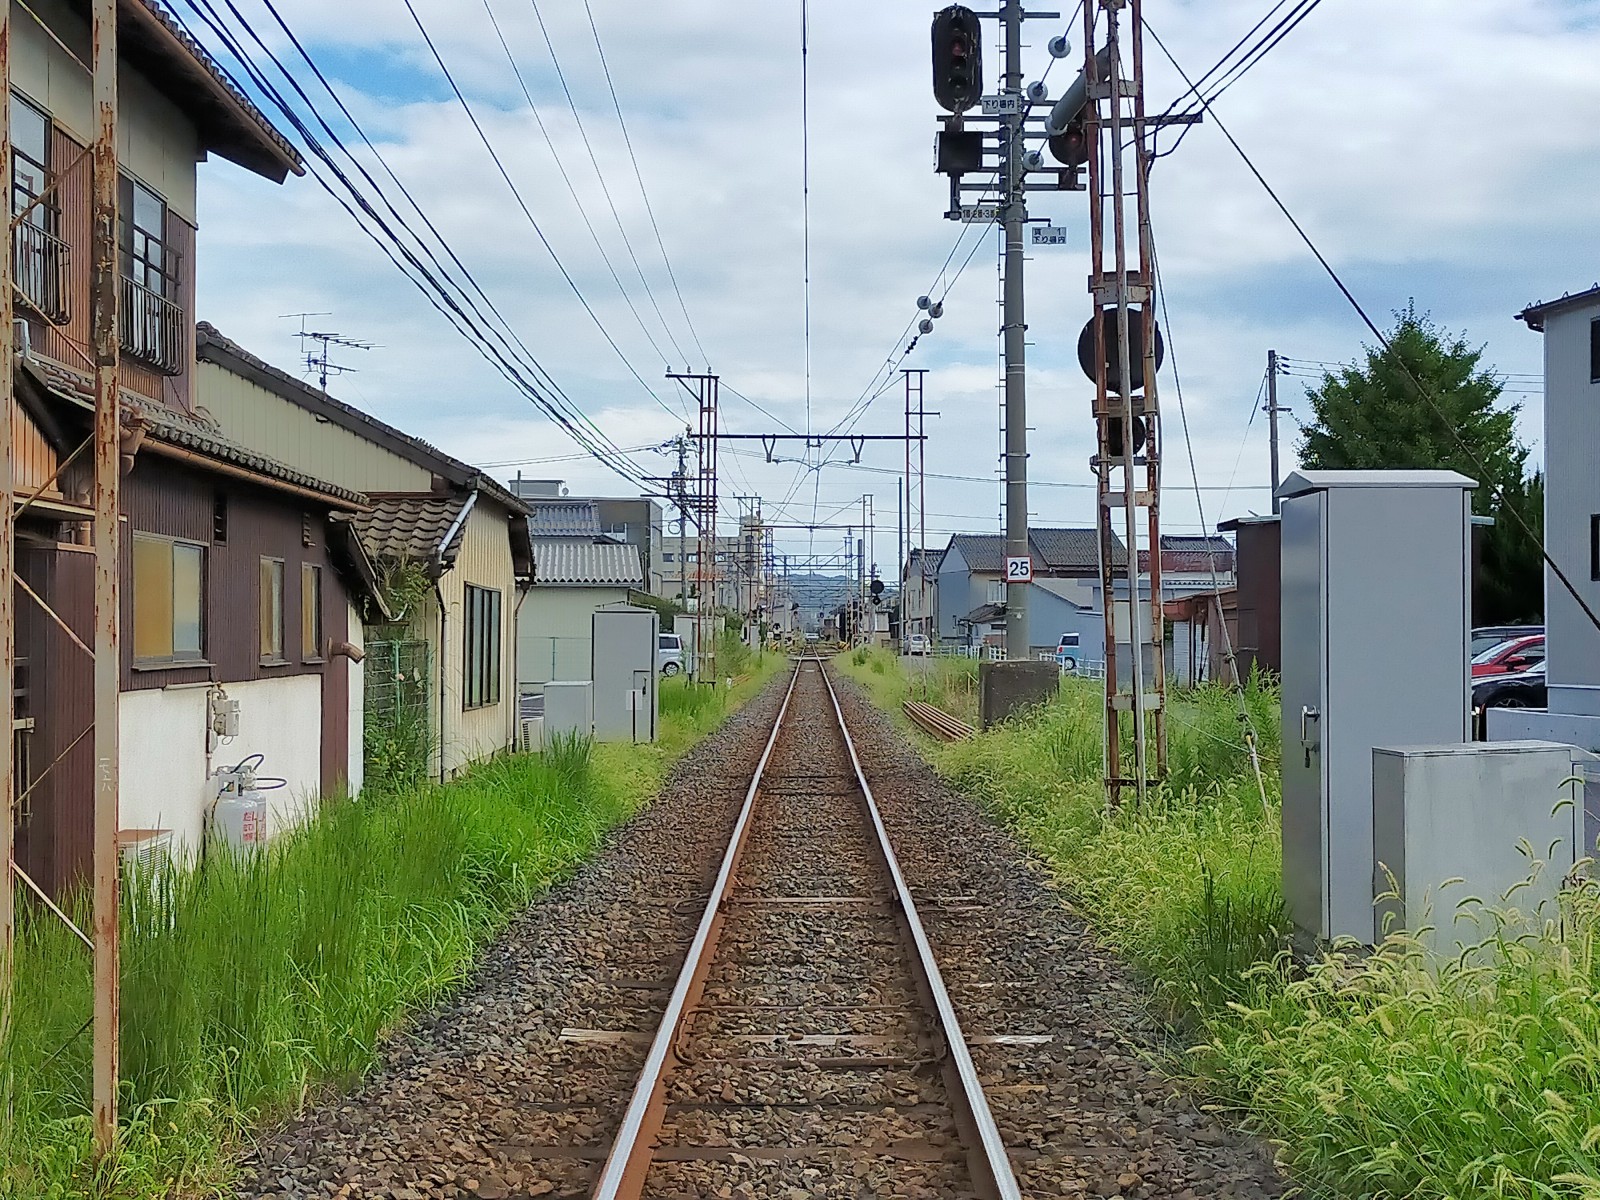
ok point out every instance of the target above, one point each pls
(355, 758)
(163, 753)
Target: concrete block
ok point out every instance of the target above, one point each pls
(1005, 687)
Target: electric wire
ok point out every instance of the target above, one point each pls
(522, 204)
(566, 178)
(1422, 391)
(547, 394)
(644, 192)
(605, 189)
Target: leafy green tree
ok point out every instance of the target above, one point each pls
(1368, 416)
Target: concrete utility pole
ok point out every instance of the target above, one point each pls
(1272, 420)
(107, 540)
(706, 390)
(1015, 336)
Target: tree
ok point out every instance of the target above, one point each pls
(1368, 416)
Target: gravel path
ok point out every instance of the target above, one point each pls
(515, 1088)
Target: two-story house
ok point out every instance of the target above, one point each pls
(458, 530)
(241, 576)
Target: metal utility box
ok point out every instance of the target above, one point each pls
(1475, 820)
(1374, 595)
(568, 710)
(623, 667)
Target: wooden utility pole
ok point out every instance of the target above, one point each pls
(1272, 420)
(8, 605)
(107, 602)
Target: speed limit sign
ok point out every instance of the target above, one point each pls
(1019, 569)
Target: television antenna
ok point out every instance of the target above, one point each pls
(315, 346)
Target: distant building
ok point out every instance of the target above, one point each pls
(1065, 596)
(631, 520)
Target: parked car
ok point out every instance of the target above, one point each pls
(1510, 657)
(1486, 636)
(669, 654)
(917, 643)
(1066, 655)
(1524, 689)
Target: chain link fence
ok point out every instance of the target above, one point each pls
(398, 676)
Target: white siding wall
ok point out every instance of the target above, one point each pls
(1572, 497)
(163, 753)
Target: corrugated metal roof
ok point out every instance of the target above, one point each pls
(1212, 545)
(406, 528)
(579, 562)
(1535, 314)
(563, 518)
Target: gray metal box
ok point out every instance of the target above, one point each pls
(568, 710)
(1472, 822)
(1375, 607)
(623, 667)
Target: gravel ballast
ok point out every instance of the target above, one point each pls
(515, 1088)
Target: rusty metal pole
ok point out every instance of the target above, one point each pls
(8, 594)
(107, 602)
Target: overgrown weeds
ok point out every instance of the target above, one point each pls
(249, 982)
(1385, 1076)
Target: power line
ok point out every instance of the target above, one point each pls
(432, 285)
(1422, 391)
(643, 191)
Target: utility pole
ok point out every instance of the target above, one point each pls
(107, 599)
(8, 614)
(1272, 421)
(705, 388)
(1015, 339)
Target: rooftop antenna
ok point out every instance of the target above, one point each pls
(316, 345)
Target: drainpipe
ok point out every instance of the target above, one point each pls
(443, 651)
(516, 670)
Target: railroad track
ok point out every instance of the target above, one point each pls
(809, 1047)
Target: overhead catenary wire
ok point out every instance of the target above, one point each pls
(504, 352)
(1422, 391)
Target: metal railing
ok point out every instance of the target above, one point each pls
(39, 269)
(153, 328)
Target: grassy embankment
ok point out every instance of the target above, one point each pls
(250, 983)
(1379, 1078)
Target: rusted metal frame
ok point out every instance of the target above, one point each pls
(103, 324)
(52, 906)
(61, 467)
(55, 180)
(54, 616)
(54, 763)
(623, 1175)
(1152, 404)
(1094, 143)
(8, 599)
(991, 1169)
(1130, 497)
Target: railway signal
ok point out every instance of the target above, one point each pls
(957, 59)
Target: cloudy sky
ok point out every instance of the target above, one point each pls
(1441, 150)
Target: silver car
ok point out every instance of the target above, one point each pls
(669, 654)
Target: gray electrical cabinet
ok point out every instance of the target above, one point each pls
(623, 667)
(1376, 568)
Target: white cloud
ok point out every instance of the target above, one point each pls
(1441, 149)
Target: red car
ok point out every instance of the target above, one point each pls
(1518, 654)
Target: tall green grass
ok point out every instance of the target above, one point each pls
(1384, 1076)
(253, 981)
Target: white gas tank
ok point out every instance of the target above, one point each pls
(239, 813)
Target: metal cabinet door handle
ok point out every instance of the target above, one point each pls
(1307, 715)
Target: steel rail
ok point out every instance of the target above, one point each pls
(994, 1150)
(621, 1164)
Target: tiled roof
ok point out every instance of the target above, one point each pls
(563, 518)
(1052, 550)
(177, 428)
(580, 562)
(984, 614)
(412, 528)
(1212, 545)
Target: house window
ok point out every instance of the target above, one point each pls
(168, 600)
(481, 648)
(270, 618)
(1594, 350)
(40, 256)
(1594, 547)
(152, 324)
(310, 611)
(997, 591)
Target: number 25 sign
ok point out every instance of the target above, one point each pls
(1019, 569)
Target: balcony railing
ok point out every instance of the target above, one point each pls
(153, 328)
(40, 270)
